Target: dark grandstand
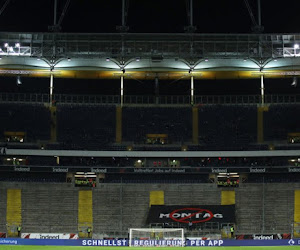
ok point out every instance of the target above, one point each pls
(95, 128)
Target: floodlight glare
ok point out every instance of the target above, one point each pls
(19, 82)
(6, 45)
(17, 45)
(296, 46)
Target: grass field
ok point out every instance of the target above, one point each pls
(4, 247)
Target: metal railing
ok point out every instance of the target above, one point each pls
(145, 99)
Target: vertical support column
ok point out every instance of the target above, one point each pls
(227, 197)
(157, 198)
(296, 226)
(53, 128)
(122, 90)
(156, 90)
(195, 125)
(118, 124)
(85, 213)
(13, 212)
(262, 90)
(260, 124)
(51, 90)
(192, 89)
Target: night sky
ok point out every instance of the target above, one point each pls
(99, 16)
(150, 16)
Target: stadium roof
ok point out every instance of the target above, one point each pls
(146, 56)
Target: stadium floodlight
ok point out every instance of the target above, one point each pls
(163, 237)
(19, 82)
(294, 83)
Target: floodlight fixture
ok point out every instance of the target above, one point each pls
(294, 83)
(19, 82)
(296, 46)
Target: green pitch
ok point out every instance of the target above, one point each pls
(4, 247)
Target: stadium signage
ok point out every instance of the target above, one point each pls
(257, 170)
(194, 214)
(263, 236)
(159, 170)
(294, 170)
(22, 169)
(51, 236)
(219, 170)
(99, 170)
(60, 170)
(104, 243)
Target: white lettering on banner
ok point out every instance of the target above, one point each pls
(158, 243)
(22, 169)
(257, 170)
(99, 170)
(103, 242)
(219, 170)
(203, 243)
(9, 242)
(49, 236)
(263, 237)
(294, 170)
(60, 170)
(185, 215)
